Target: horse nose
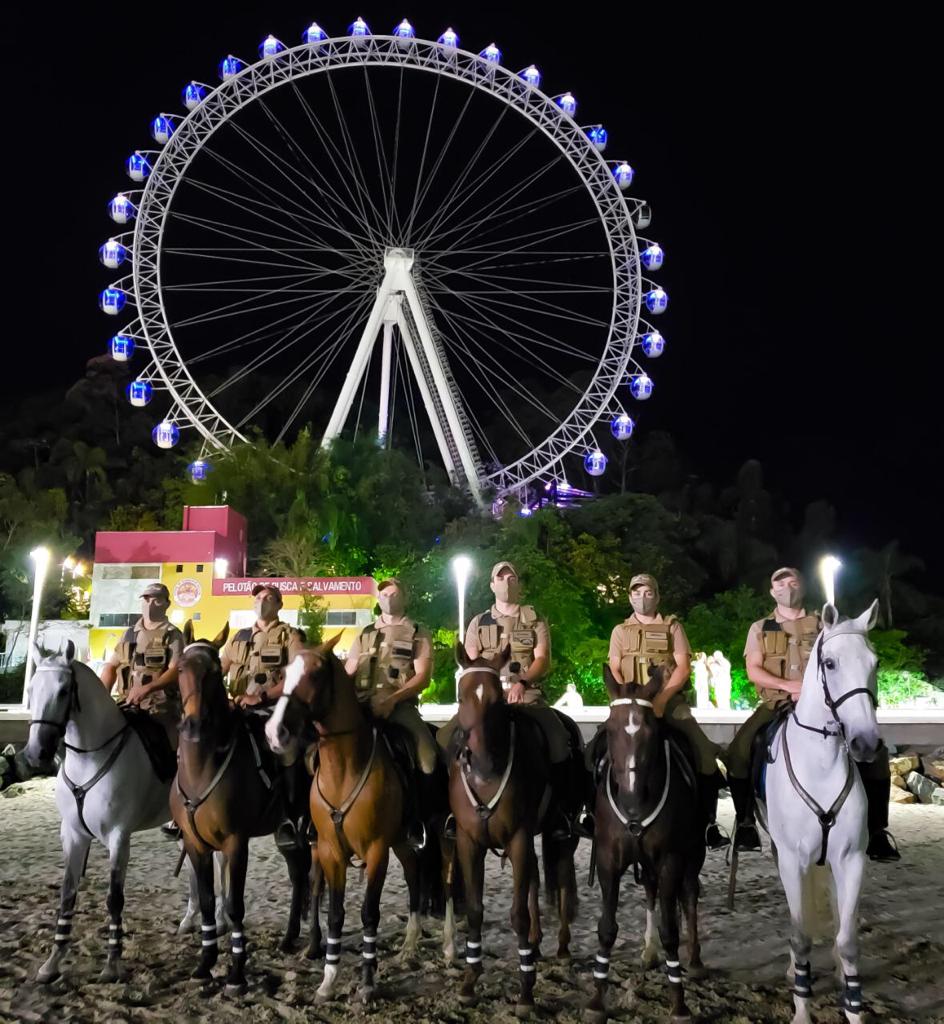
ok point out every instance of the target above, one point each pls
(864, 748)
(282, 735)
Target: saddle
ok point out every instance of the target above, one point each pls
(760, 751)
(154, 739)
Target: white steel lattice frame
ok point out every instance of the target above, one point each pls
(258, 78)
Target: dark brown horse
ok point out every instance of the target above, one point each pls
(499, 794)
(226, 792)
(358, 804)
(646, 816)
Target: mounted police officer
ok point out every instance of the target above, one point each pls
(508, 623)
(776, 653)
(255, 657)
(144, 662)
(391, 662)
(648, 639)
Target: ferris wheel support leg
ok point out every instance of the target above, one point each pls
(420, 377)
(446, 397)
(358, 367)
(383, 423)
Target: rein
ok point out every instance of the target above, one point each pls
(638, 826)
(831, 703)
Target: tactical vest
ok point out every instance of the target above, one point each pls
(520, 632)
(385, 657)
(143, 655)
(646, 645)
(258, 658)
(787, 647)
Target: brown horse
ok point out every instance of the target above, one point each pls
(499, 794)
(226, 792)
(357, 804)
(646, 816)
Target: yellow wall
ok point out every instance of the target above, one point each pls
(215, 611)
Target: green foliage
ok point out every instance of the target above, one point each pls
(311, 618)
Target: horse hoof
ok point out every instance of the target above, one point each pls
(47, 975)
(187, 924)
(365, 994)
(315, 952)
(108, 975)
(683, 1018)
(287, 945)
(322, 997)
(649, 960)
(201, 974)
(468, 998)
(237, 988)
(594, 1016)
(523, 1011)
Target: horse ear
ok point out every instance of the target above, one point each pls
(869, 617)
(188, 632)
(68, 651)
(219, 641)
(612, 686)
(35, 653)
(329, 645)
(830, 615)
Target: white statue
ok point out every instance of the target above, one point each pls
(569, 698)
(700, 671)
(720, 669)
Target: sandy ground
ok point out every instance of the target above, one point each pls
(902, 940)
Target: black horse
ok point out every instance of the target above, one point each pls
(647, 815)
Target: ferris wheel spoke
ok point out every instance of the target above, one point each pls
(548, 285)
(451, 196)
(264, 210)
(489, 358)
(419, 174)
(437, 163)
(396, 155)
(533, 334)
(271, 329)
(310, 199)
(492, 216)
(322, 185)
(524, 343)
(235, 283)
(290, 339)
(383, 168)
(355, 171)
(358, 198)
(238, 308)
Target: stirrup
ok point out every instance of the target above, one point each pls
(890, 852)
(723, 840)
(449, 827)
(286, 835)
(416, 837)
(739, 844)
(585, 826)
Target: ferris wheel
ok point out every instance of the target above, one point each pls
(391, 224)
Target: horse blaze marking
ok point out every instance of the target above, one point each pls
(479, 692)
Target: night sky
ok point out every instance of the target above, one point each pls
(781, 152)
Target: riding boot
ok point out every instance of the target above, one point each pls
(286, 832)
(881, 844)
(708, 787)
(746, 837)
(416, 812)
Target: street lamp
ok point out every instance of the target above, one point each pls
(829, 566)
(40, 558)
(461, 570)
(221, 568)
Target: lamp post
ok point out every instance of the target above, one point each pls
(829, 567)
(461, 570)
(40, 558)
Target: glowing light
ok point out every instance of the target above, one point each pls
(461, 570)
(599, 137)
(193, 95)
(567, 103)
(140, 392)
(121, 209)
(230, 67)
(448, 40)
(121, 348)
(166, 434)
(829, 567)
(404, 31)
(594, 462)
(137, 167)
(640, 386)
(653, 344)
(622, 427)
(270, 47)
(492, 54)
(112, 254)
(624, 175)
(40, 557)
(314, 34)
(359, 29)
(112, 301)
(199, 470)
(532, 76)
(162, 128)
(220, 567)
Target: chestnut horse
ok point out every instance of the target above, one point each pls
(499, 794)
(646, 816)
(227, 791)
(357, 805)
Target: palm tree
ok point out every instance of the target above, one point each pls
(883, 568)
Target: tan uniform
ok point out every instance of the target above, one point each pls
(258, 657)
(640, 646)
(490, 633)
(143, 655)
(386, 652)
(786, 645)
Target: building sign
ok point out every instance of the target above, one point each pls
(316, 585)
(187, 593)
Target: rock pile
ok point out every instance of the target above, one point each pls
(918, 778)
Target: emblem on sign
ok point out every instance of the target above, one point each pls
(187, 593)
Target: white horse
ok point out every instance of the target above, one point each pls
(106, 788)
(816, 804)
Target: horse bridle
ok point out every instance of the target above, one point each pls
(60, 727)
(637, 826)
(831, 703)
